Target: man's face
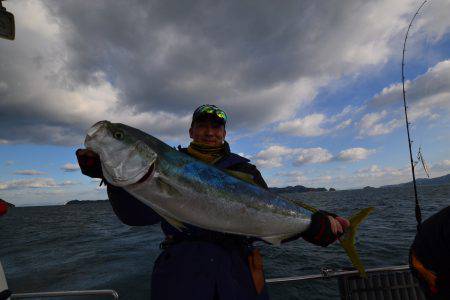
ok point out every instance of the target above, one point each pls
(208, 132)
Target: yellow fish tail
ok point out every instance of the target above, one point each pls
(347, 240)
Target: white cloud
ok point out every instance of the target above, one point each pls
(310, 125)
(28, 172)
(376, 171)
(272, 157)
(312, 155)
(100, 187)
(317, 124)
(442, 167)
(277, 155)
(69, 182)
(275, 150)
(431, 88)
(69, 167)
(28, 183)
(373, 124)
(3, 86)
(348, 110)
(344, 124)
(37, 183)
(354, 154)
(248, 156)
(428, 97)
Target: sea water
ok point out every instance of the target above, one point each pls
(85, 246)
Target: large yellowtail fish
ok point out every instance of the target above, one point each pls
(183, 189)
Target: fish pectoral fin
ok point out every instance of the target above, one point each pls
(166, 187)
(347, 240)
(175, 223)
(276, 239)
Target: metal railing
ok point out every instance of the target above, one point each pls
(329, 273)
(325, 274)
(110, 293)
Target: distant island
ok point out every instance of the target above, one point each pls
(9, 205)
(442, 180)
(74, 202)
(298, 189)
(368, 188)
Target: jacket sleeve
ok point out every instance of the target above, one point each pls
(130, 210)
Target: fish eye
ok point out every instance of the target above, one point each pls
(118, 135)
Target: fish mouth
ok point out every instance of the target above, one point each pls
(122, 182)
(147, 175)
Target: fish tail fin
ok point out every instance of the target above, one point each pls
(347, 240)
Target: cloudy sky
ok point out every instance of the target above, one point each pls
(312, 88)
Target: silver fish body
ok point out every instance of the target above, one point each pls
(183, 189)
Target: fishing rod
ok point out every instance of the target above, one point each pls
(417, 208)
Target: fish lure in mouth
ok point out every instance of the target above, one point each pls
(125, 160)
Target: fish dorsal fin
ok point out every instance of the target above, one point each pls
(299, 204)
(241, 175)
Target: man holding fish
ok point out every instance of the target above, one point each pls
(212, 205)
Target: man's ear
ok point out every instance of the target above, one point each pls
(190, 133)
(224, 133)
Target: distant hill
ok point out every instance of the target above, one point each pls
(9, 205)
(72, 202)
(442, 180)
(297, 189)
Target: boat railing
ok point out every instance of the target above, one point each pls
(393, 282)
(113, 294)
(330, 273)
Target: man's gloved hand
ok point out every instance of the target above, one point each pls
(89, 162)
(325, 228)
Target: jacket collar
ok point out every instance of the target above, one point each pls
(225, 162)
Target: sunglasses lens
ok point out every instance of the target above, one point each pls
(221, 115)
(211, 109)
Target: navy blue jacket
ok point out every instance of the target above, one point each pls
(198, 267)
(431, 247)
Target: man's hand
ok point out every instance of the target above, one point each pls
(338, 225)
(89, 162)
(325, 228)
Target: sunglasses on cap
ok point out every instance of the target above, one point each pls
(210, 109)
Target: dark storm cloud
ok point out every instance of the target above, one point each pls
(150, 63)
(172, 56)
